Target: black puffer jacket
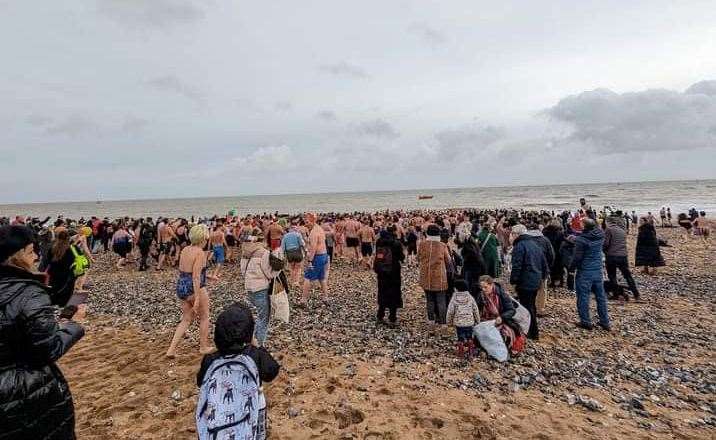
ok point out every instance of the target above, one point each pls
(35, 400)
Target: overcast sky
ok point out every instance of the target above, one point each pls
(117, 99)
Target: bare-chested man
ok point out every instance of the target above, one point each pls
(166, 242)
(317, 259)
(217, 241)
(340, 236)
(366, 234)
(352, 240)
(274, 233)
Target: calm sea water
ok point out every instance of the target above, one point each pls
(640, 196)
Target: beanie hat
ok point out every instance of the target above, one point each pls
(14, 238)
(234, 328)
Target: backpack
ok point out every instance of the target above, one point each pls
(383, 262)
(147, 234)
(80, 264)
(231, 404)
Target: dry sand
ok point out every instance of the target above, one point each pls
(407, 383)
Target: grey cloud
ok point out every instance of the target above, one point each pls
(172, 84)
(650, 120)
(379, 128)
(344, 68)
(428, 33)
(38, 120)
(283, 106)
(327, 115)
(73, 126)
(151, 13)
(464, 141)
(134, 125)
(703, 87)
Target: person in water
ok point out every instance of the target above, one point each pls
(191, 291)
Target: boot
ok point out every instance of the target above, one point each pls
(460, 349)
(470, 350)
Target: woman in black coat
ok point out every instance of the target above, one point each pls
(648, 253)
(35, 400)
(553, 232)
(390, 295)
(59, 268)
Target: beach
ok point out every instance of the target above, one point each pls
(343, 376)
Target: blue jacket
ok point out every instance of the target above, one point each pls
(529, 263)
(588, 251)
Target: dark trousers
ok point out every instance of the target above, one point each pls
(392, 313)
(622, 263)
(463, 333)
(570, 281)
(436, 305)
(144, 251)
(527, 298)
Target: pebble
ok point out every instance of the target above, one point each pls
(642, 360)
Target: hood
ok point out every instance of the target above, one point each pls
(595, 234)
(461, 297)
(616, 221)
(13, 280)
(534, 233)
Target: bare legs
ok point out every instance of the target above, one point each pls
(195, 307)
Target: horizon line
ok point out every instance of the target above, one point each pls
(356, 191)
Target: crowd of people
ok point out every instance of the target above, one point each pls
(486, 269)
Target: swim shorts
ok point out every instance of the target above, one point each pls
(219, 256)
(317, 270)
(352, 242)
(366, 249)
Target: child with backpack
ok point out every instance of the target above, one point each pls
(463, 313)
(231, 401)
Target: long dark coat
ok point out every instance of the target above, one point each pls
(35, 400)
(647, 247)
(389, 284)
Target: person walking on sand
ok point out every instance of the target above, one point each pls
(340, 236)
(352, 241)
(587, 262)
(529, 269)
(218, 244)
(648, 254)
(256, 269)
(387, 266)
(367, 237)
(294, 249)
(316, 259)
(191, 291)
(616, 255)
(433, 259)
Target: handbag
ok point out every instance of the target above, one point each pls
(280, 308)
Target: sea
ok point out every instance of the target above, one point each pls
(641, 197)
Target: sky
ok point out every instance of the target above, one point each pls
(122, 99)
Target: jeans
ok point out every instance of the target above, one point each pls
(463, 333)
(436, 305)
(262, 302)
(587, 282)
(622, 263)
(527, 299)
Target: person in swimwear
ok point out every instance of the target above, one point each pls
(352, 241)
(217, 240)
(340, 236)
(191, 291)
(317, 259)
(166, 237)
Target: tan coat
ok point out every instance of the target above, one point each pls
(433, 258)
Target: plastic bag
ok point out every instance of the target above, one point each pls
(279, 303)
(491, 340)
(522, 317)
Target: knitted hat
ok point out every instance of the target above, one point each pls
(14, 238)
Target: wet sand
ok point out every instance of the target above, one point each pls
(653, 376)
